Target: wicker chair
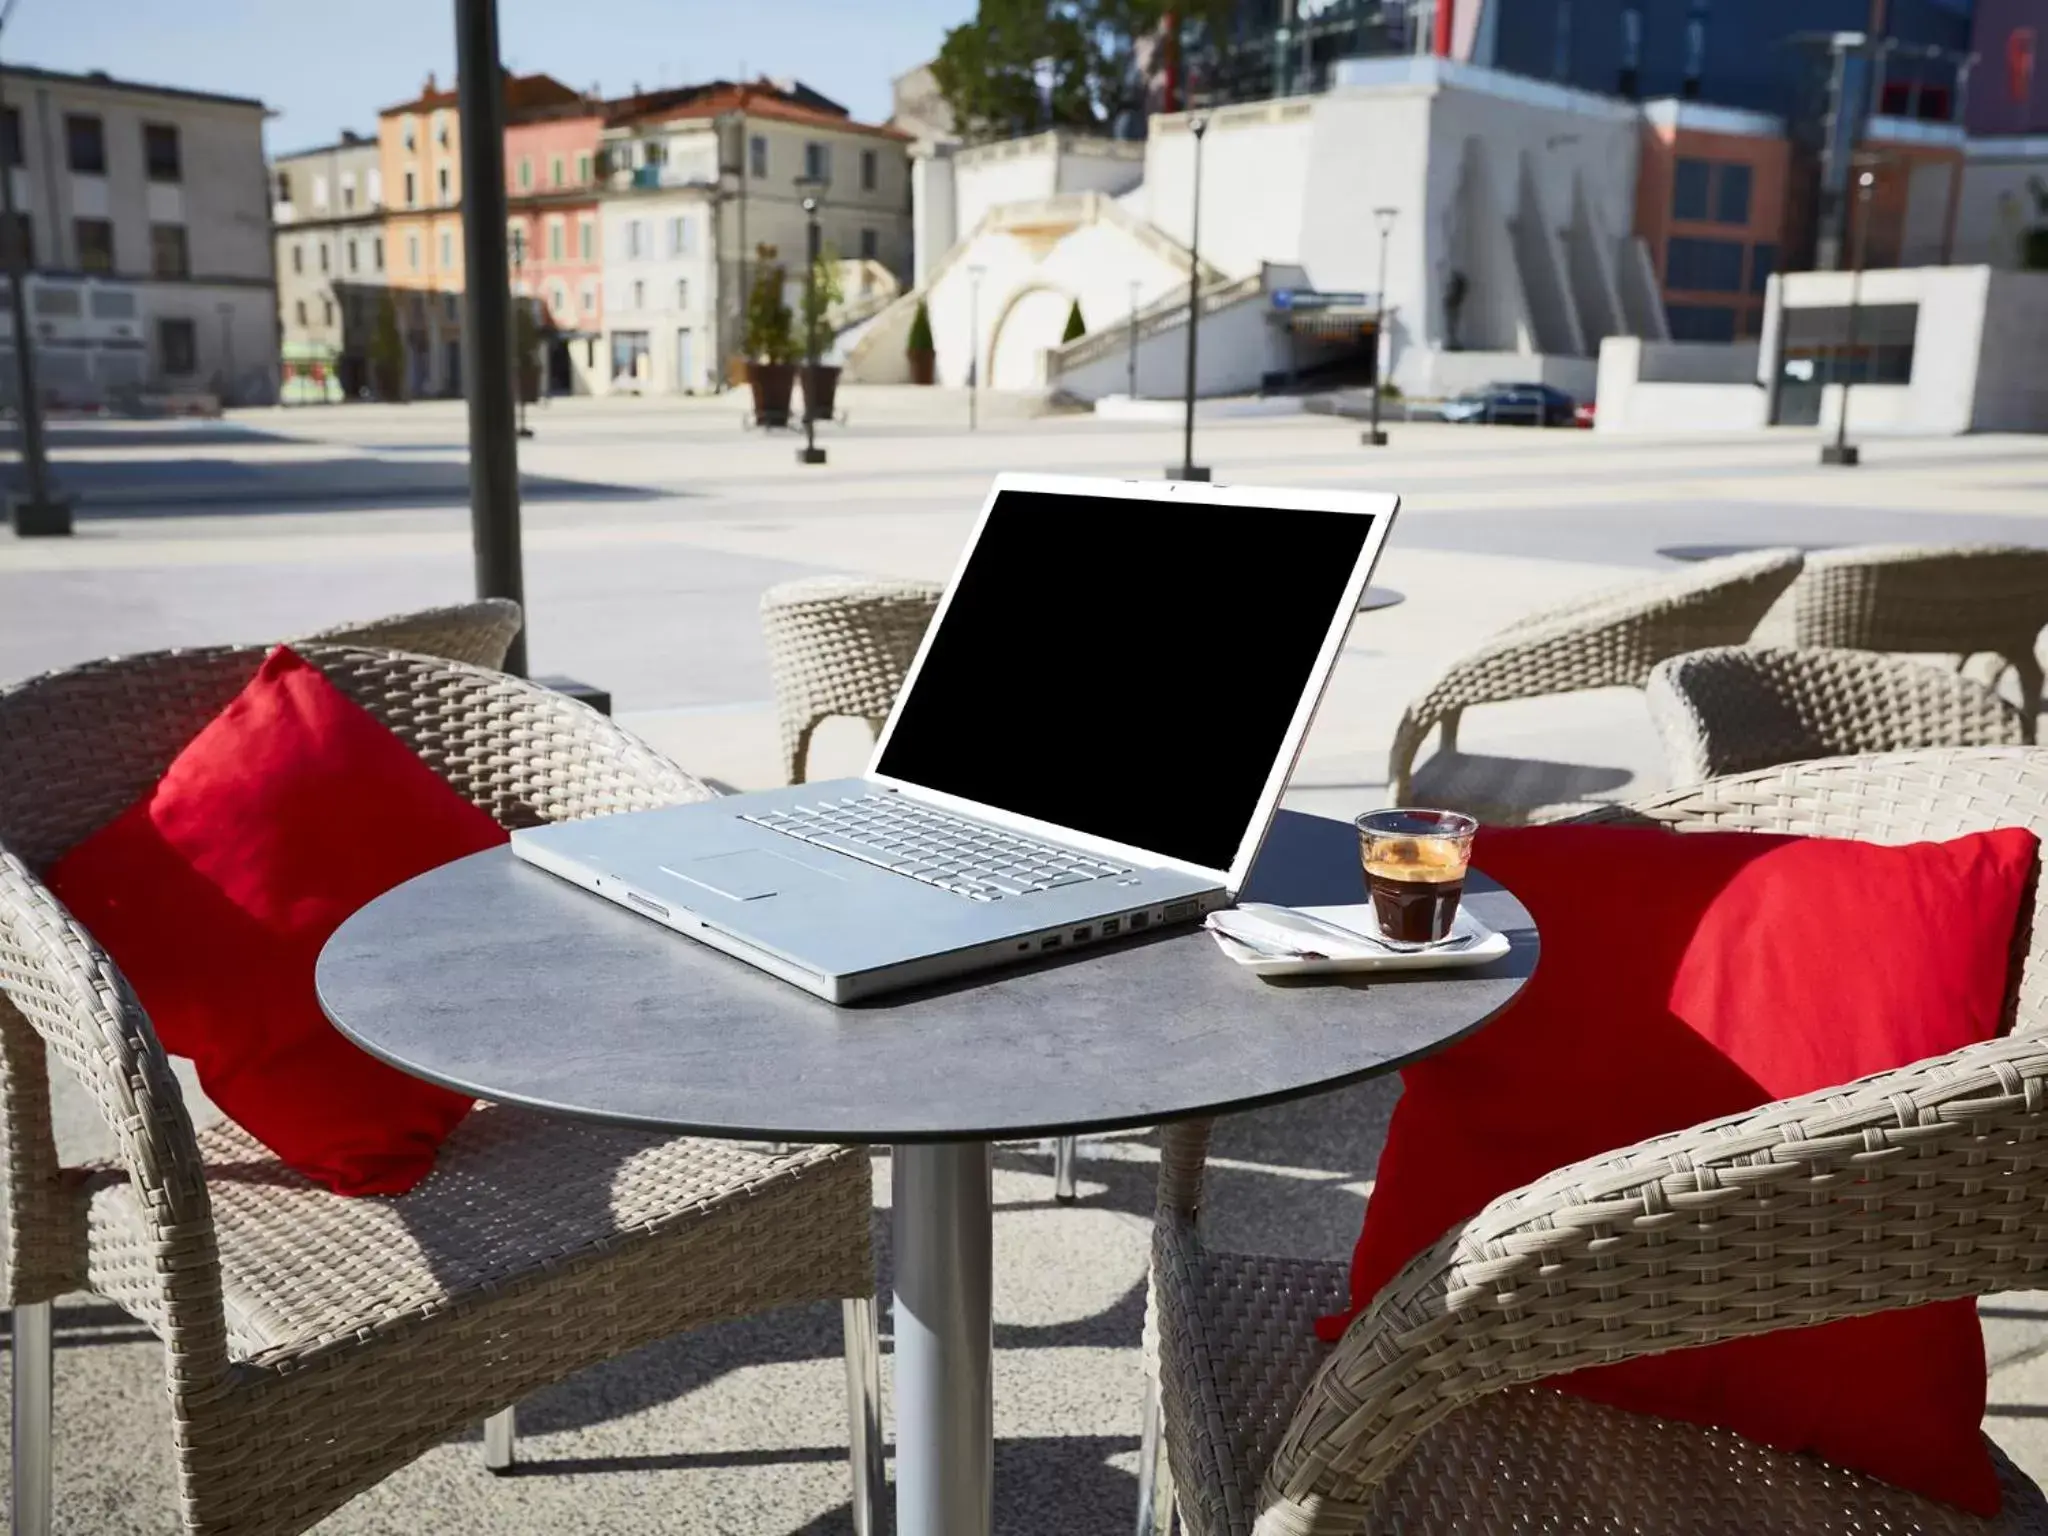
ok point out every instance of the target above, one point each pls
(1611, 639)
(1916, 1185)
(839, 645)
(1983, 603)
(314, 1344)
(478, 633)
(1738, 708)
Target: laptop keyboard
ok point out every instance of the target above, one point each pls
(950, 852)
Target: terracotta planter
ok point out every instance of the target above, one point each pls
(924, 367)
(821, 388)
(772, 384)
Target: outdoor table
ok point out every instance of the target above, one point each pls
(1376, 598)
(494, 978)
(1693, 554)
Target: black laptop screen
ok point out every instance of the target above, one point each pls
(1126, 667)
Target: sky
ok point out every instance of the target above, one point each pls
(323, 68)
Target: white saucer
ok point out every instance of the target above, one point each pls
(1351, 941)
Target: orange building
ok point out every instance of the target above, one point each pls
(1710, 205)
(420, 149)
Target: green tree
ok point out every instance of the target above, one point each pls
(387, 352)
(920, 330)
(821, 296)
(1076, 326)
(771, 329)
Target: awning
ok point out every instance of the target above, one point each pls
(1331, 325)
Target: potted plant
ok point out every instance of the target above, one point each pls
(923, 358)
(771, 349)
(821, 294)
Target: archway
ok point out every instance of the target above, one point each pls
(1032, 321)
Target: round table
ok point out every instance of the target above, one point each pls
(492, 977)
(1692, 554)
(1377, 598)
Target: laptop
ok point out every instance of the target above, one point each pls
(1089, 745)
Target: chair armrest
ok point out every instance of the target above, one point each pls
(1917, 1185)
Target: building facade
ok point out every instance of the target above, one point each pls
(551, 186)
(146, 222)
(328, 208)
(705, 185)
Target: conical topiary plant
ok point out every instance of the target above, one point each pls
(1076, 326)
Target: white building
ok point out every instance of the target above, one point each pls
(705, 185)
(148, 227)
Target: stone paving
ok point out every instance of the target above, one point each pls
(651, 529)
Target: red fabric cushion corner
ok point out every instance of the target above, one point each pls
(1688, 977)
(215, 891)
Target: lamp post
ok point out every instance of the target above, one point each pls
(521, 356)
(1131, 364)
(813, 188)
(1841, 451)
(39, 512)
(1373, 437)
(1187, 469)
(974, 275)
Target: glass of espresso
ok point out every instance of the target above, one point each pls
(1415, 863)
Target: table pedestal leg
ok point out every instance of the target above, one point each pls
(945, 1428)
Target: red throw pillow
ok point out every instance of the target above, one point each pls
(1689, 977)
(215, 891)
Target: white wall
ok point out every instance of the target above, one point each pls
(2012, 376)
(935, 220)
(986, 177)
(1677, 387)
(1258, 162)
(1237, 345)
(657, 272)
(1946, 342)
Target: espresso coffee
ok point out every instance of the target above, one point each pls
(1416, 884)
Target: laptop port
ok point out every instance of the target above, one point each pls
(645, 905)
(1139, 920)
(1110, 925)
(1081, 935)
(1050, 941)
(1180, 911)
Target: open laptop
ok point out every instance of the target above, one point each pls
(1090, 744)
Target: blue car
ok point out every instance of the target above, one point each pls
(1513, 405)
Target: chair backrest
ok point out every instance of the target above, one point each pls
(479, 633)
(1956, 599)
(76, 748)
(1737, 708)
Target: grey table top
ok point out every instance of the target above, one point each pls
(492, 977)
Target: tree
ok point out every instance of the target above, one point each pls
(771, 329)
(1076, 326)
(387, 352)
(920, 330)
(821, 295)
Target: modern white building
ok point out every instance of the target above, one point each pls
(148, 235)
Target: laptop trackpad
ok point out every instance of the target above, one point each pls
(747, 875)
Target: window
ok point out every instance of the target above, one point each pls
(441, 129)
(298, 257)
(869, 246)
(447, 248)
(85, 144)
(348, 191)
(757, 156)
(1763, 261)
(63, 302)
(320, 194)
(1689, 186)
(109, 304)
(376, 193)
(168, 256)
(322, 249)
(18, 235)
(525, 172)
(412, 194)
(870, 169)
(582, 169)
(682, 293)
(443, 186)
(589, 297)
(554, 170)
(586, 239)
(558, 298)
(1731, 195)
(1883, 353)
(629, 357)
(95, 245)
(686, 359)
(682, 236)
(161, 160)
(1701, 322)
(409, 132)
(327, 311)
(177, 343)
(635, 234)
(1703, 266)
(10, 138)
(556, 239)
(817, 161)
(354, 264)
(412, 252)
(299, 311)
(639, 294)
(377, 253)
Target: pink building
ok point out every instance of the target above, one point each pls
(551, 184)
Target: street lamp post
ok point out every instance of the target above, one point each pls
(1841, 451)
(39, 512)
(974, 275)
(1373, 437)
(520, 354)
(811, 453)
(1187, 469)
(1131, 363)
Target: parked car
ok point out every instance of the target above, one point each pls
(1519, 405)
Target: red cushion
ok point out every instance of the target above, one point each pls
(215, 891)
(1689, 977)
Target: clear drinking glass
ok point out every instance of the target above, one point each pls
(1415, 862)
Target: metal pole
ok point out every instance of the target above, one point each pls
(973, 347)
(487, 297)
(521, 355)
(1131, 364)
(810, 453)
(1188, 469)
(1840, 452)
(39, 512)
(1374, 437)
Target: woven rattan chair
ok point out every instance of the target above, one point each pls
(1983, 603)
(1742, 707)
(314, 1344)
(479, 633)
(1611, 639)
(839, 645)
(1428, 1416)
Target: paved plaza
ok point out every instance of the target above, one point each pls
(651, 530)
